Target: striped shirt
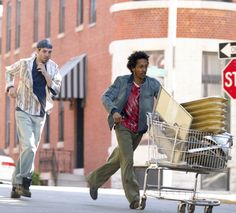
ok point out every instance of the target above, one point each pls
(26, 100)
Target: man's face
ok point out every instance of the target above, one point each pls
(140, 69)
(43, 55)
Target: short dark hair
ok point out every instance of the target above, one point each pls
(45, 43)
(132, 59)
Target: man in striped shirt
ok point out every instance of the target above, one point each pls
(39, 80)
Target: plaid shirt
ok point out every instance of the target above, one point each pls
(26, 100)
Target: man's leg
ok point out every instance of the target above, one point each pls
(99, 176)
(28, 129)
(128, 142)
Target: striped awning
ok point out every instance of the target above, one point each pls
(73, 78)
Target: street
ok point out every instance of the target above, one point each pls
(77, 200)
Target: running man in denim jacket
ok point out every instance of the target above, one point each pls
(127, 101)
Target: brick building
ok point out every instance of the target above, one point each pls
(92, 40)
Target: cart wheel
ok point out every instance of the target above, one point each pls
(191, 208)
(208, 209)
(142, 203)
(181, 207)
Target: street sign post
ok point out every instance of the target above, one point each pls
(227, 50)
(229, 78)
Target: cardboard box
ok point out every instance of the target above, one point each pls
(171, 112)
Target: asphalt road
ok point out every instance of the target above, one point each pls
(77, 200)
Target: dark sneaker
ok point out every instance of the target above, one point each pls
(24, 188)
(14, 194)
(23, 191)
(93, 193)
(134, 204)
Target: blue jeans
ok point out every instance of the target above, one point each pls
(29, 129)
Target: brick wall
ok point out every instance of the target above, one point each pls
(202, 23)
(143, 23)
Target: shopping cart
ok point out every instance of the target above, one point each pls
(171, 147)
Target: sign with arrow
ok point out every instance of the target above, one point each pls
(227, 50)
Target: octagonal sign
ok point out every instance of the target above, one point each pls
(229, 78)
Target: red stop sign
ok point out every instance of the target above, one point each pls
(229, 78)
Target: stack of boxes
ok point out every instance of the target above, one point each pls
(209, 114)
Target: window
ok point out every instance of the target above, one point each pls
(8, 28)
(36, 21)
(79, 15)
(156, 65)
(48, 19)
(18, 15)
(211, 74)
(212, 79)
(92, 14)
(62, 16)
(211, 86)
(61, 121)
(47, 129)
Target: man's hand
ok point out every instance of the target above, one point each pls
(117, 117)
(12, 92)
(41, 68)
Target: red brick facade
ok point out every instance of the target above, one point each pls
(94, 40)
(194, 23)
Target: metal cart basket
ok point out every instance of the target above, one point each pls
(171, 147)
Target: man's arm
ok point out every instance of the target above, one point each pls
(10, 73)
(54, 83)
(110, 95)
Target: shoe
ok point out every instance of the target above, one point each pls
(14, 193)
(19, 189)
(93, 193)
(92, 190)
(134, 204)
(26, 182)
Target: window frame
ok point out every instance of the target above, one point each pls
(79, 13)
(62, 7)
(8, 27)
(36, 21)
(18, 24)
(92, 12)
(48, 6)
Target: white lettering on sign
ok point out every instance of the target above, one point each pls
(233, 49)
(230, 80)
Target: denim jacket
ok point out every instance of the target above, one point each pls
(116, 96)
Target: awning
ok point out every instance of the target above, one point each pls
(73, 78)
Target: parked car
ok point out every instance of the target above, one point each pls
(7, 167)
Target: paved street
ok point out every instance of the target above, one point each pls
(77, 200)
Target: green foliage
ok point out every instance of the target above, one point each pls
(35, 178)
